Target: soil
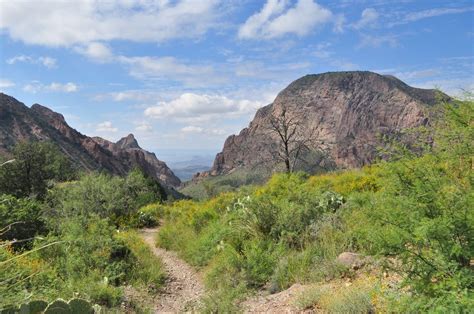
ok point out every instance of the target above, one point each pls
(183, 289)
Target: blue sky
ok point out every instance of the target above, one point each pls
(183, 75)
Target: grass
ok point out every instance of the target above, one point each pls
(212, 186)
(339, 296)
(310, 297)
(148, 270)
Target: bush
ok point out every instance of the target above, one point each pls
(106, 196)
(35, 165)
(414, 209)
(21, 220)
(147, 270)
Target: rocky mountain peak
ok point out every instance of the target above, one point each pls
(344, 113)
(128, 141)
(18, 122)
(47, 113)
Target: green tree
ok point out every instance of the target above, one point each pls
(35, 165)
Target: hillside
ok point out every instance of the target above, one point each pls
(345, 114)
(392, 237)
(20, 123)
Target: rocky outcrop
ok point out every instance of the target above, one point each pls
(347, 113)
(18, 122)
(130, 153)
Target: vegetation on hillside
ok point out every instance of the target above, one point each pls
(65, 234)
(69, 239)
(413, 215)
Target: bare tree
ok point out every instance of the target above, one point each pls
(294, 140)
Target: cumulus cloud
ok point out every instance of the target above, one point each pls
(68, 23)
(66, 88)
(36, 86)
(200, 108)
(96, 51)
(276, 20)
(4, 83)
(106, 127)
(191, 129)
(368, 18)
(48, 62)
(143, 127)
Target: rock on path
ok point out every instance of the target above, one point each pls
(183, 288)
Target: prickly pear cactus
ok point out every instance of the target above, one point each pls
(74, 306)
(80, 306)
(58, 307)
(33, 307)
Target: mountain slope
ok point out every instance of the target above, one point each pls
(18, 122)
(347, 112)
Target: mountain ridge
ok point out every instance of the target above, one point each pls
(348, 111)
(19, 122)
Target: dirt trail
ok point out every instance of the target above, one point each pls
(183, 288)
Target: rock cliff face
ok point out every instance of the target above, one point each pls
(18, 122)
(345, 111)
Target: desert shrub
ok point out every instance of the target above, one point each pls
(147, 270)
(423, 216)
(36, 165)
(310, 297)
(21, 276)
(414, 209)
(353, 299)
(225, 281)
(116, 198)
(20, 220)
(258, 263)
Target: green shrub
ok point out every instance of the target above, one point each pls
(147, 269)
(35, 165)
(310, 297)
(118, 199)
(20, 220)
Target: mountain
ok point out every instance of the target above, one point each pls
(18, 122)
(345, 113)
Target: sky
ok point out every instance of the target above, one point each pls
(183, 75)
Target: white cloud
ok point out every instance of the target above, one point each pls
(339, 21)
(4, 83)
(322, 50)
(169, 68)
(66, 88)
(454, 87)
(36, 86)
(45, 61)
(415, 16)
(368, 18)
(192, 129)
(420, 15)
(144, 127)
(198, 108)
(410, 75)
(276, 20)
(67, 23)
(96, 51)
(107, 127)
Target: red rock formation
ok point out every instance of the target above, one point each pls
(347, 111)
(18, 122)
